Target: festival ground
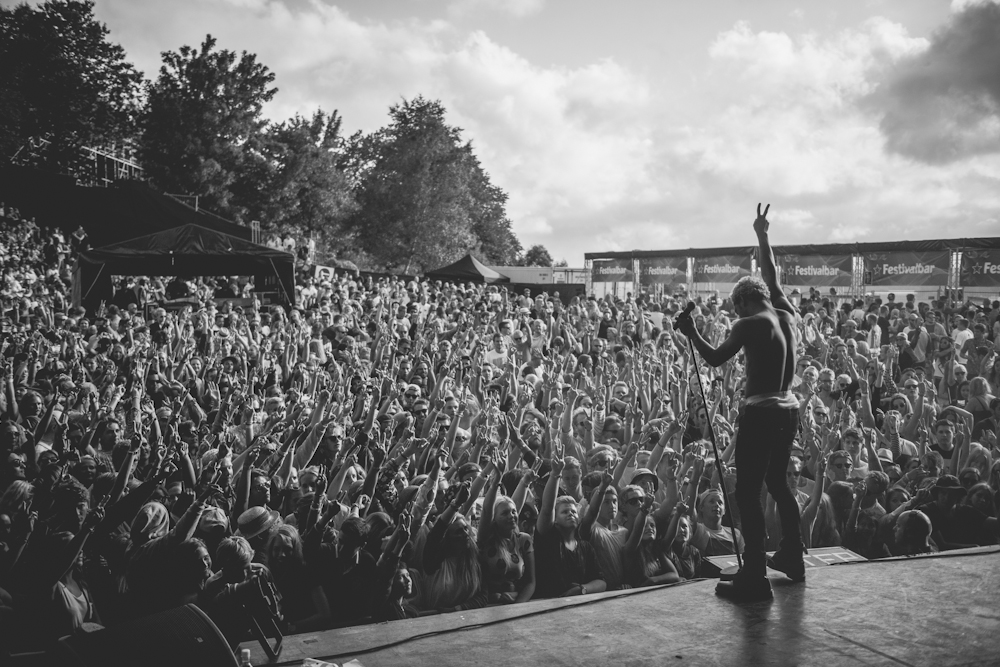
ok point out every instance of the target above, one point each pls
(947, 613)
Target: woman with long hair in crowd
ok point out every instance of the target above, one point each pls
(303, 601)
(647, 559)
(507, 554)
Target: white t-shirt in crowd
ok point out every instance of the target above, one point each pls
(960, 337)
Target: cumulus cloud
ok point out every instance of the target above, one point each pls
(943, 104)
(602, 156)
(790, 124)
(557, 139)
(960, 5)
(516, 8)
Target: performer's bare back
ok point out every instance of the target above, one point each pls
(769, 345)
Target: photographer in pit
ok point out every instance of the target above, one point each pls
(239, 591)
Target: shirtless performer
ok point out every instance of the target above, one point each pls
(769, 422)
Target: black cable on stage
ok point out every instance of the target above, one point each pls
(476, 626)
(638, 591)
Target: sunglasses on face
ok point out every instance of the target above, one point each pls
(634, 500)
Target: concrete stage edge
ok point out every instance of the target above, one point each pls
(938, 610)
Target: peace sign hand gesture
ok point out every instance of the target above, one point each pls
(760, 225)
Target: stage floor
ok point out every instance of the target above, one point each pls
(942, 610)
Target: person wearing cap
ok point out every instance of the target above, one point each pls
(906, 358)
(467, 472)
(647, 480)
(223, 598)
(849, 329)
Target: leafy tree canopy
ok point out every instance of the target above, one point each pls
(423, 198)
(203, 124)
(536, 255)
(63, 82)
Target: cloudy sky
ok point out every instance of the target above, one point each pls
(655, 123)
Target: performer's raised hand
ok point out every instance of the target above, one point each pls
(761, 224)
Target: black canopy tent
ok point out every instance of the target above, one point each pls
(109, 215)
(189, 250)
(467, 269)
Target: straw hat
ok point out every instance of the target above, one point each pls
(255, 521)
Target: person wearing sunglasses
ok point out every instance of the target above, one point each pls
(825, 388)
(840, 466)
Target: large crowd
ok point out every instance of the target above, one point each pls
(386, 449)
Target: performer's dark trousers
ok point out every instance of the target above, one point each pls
(763, 448)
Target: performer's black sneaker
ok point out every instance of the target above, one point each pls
(793, 567)
(741, 589)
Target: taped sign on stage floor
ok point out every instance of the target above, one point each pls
(815, 558)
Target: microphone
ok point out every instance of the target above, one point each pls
(685, 314)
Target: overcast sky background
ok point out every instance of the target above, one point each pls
(655, 123)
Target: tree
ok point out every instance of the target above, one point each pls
(203, 127)
(63, 82)
(498, 245)
(423, 198)
(304, 186)
(536, 255)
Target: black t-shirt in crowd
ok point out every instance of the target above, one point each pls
(558, 568)
(945, 453)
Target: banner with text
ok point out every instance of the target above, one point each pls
(612, 271)
(670, 271)
(722, 269)
(817, 270)
(908, 268)
(980, 268)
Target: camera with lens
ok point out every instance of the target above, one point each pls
(261, 603)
